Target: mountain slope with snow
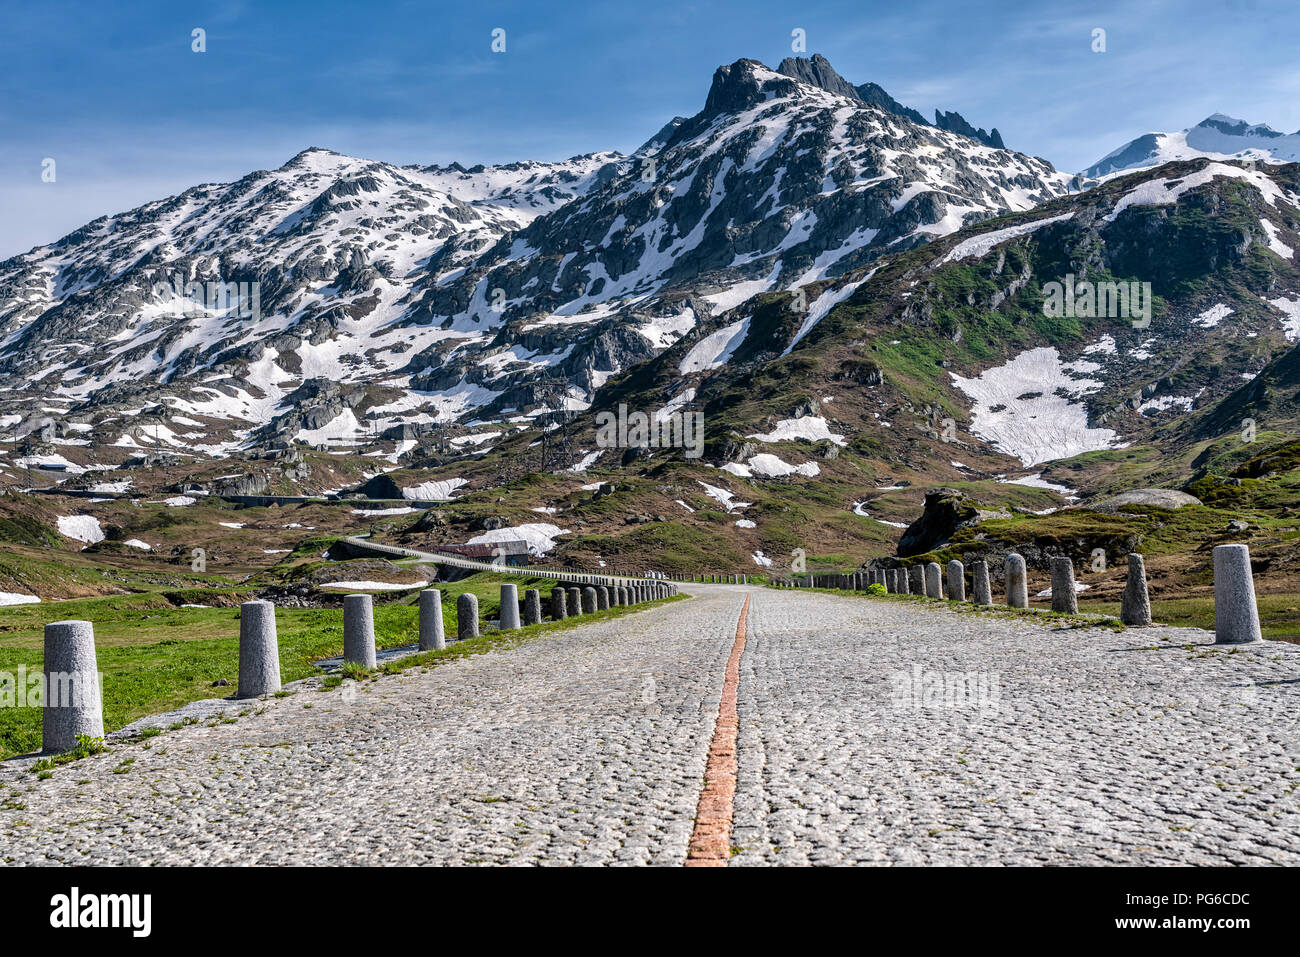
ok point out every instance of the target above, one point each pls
(337, 300)
(1217, 137)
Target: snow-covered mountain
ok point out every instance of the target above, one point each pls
(948, 362)
(388, 298)
(777, 182)
(1216, 137)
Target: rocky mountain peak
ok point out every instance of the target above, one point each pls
(742, 85)
(817, 71)
(956, 123)
(874, 95)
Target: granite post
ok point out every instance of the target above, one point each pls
(358, 631)
(259, 650)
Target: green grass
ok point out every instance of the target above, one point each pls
(156, 657)
(1279, 615)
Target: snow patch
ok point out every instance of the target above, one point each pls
(1213, 316)
(1290, 309)
(811, 427)
(435, 491)
(1025, 408)
(540, 536)
(982, 244)
(716, 349)
(81, 528)
(17, 598)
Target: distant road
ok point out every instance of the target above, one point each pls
(257, 500)
(457, 561)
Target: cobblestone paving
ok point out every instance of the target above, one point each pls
(1090, 748)
(857, 744)
(585, 746)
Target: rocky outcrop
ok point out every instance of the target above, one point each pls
(945, 511)
(1157, 497)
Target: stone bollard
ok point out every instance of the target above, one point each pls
(613, 596)
(532, 607)
(575, 601)
(432, 635)
(259, 650)
(509, 612)
(1136, 606)
(588, 600)
(956, 581)
(558, 611)
(358, 631)
(933, 580)
(1236, 616)
(916, 584)
(602, 598)
(982, 591)
(1017, 581)
(467, 616)
(71, 704)
(1064, 597)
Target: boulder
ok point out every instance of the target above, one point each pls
(946, 510)
(1155, 497)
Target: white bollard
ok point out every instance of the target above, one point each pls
(956, 581)
(1136, 606)
(433, 636)
(259, 650)
(509, 612)
(1064, 598)
(467, 616)
(71, 701)
(933, 580)
(1236, 616)
(358, 631)
(1017, 581)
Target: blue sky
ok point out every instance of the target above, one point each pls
(113, 93)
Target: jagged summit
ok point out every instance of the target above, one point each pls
(817, 71)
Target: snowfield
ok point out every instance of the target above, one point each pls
(1036, 480)
(1025, 407)
(983, 244)
(15, 598)
(433, 491)
(716, 349)
(727, 499)
(1290, 309)
(811, 427)
(540, 536)
(82, 528)
(1213, 316)
(374, 586)
(1162, 192)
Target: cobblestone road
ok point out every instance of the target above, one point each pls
(870, 731)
